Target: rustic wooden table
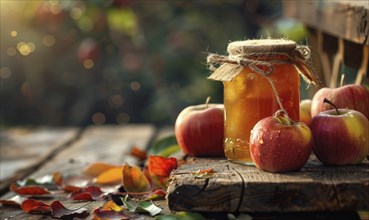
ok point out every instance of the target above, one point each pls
(316, 192)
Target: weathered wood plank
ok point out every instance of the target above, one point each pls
(110, 144)
(235, 187)
(344, 19)
(24, 149)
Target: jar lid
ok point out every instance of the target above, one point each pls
(248, 52)
(260, 46)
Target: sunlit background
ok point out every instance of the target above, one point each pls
(71, 62)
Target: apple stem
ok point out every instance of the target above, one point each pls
(282, 115)
(331, 103)
(207, 102)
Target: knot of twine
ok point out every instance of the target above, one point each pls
(299, 55)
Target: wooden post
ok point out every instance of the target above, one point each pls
(364, 65)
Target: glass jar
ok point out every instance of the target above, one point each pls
(248, 94)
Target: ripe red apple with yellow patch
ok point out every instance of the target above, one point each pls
(278, 144)
(305, 111)
(341, 136)
(355, 97)
(199, 130)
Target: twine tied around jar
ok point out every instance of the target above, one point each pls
(225, 68)
(261, 56)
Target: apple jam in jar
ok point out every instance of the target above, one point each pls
(259, 77)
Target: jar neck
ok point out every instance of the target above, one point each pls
(269, 57)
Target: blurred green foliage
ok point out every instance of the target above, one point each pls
(71, 62)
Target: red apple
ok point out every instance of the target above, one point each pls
(305, 111)
(278, 144)
(200, 130)
(350, 96)
(341, 136)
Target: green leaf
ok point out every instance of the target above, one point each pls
(165, 146)
(44, 181)
(149, 207)
(27, 182)
(181, 216)
(130, 206)
(141, 206)
(167, 152)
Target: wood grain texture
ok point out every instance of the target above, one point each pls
(111, 144)
(24, 149)
(235, 187)
(344, 19)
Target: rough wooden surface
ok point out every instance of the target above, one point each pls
(238, 188)
(24, 149)
(110, 144)
(344, 19)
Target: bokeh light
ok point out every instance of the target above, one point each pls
(55, 7)
(11, 51)
(88, 63)
(13, 33)
(5, 73)
(78, 62)
(135, 86)
(48, 40)
(26, 48)
(116, 100)
(76, 13)
(98, 118)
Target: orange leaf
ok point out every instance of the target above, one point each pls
(134, 180)
(160, 168)
(138, 153)
(97, 168)
(70, 188)
(205, 173)
(32, 206)
(29, 190)
(111, 176)
(89, 193)
(111, 205)
(58, 178)
(147, 174)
